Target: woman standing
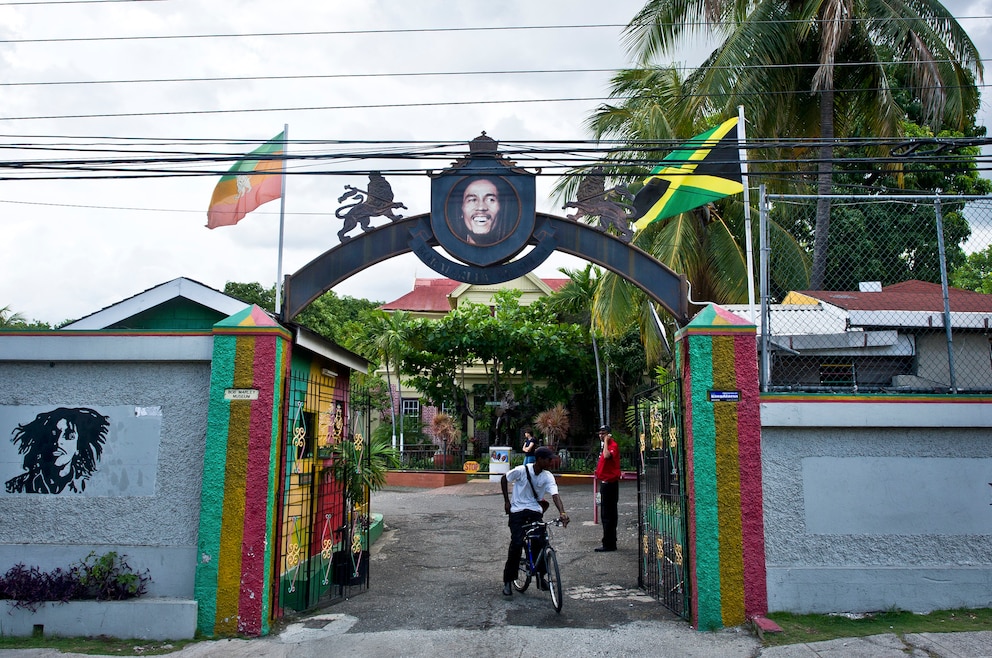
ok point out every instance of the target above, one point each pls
(530, 447)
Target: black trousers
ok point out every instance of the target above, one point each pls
(609, 493)
(517, 522)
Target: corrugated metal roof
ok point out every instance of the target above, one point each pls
(906, 296)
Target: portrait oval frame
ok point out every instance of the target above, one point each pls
(516, 216)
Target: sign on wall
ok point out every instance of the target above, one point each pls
(79, 450)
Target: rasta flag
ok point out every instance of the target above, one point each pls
(704, 169)
(252, 181)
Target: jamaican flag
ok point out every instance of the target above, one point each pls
(704, 169)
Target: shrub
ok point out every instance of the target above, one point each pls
(109, 577)
(106, 577)
(29, 587)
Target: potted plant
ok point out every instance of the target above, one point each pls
(444, 429)
(553, 423)
(359, 467)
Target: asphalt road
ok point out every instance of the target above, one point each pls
(439, 565)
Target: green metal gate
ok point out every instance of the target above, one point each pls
(322, 535)
(661, 500)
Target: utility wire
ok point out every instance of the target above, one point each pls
(423, 74)
(394, 105)
(716, 25)
(68, 2)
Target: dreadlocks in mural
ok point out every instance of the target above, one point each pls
(61, 450)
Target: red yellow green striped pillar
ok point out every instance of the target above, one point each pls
(233, 581)
(718, 363)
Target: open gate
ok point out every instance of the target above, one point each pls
(661, 499)
(322, 536)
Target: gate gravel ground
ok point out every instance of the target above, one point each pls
(435, 591)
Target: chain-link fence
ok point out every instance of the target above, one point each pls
(903, 303)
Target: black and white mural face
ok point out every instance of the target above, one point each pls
(61, 449)
(72, 450)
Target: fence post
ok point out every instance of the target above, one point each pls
(944, 292)
(765, 370)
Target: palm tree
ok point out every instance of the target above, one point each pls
(576, 298)
(10, 319)
(822, 64)
(705, 244)
(387, 338)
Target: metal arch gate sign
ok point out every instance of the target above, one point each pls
(483, 214)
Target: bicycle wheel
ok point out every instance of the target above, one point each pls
(523, 576)
(553, 576)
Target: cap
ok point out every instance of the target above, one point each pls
(544, 452)
(604, 428)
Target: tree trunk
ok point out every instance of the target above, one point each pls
(399, 394)
(392, 403)
(599, 378)
(824, 186)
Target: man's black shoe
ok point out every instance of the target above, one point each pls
(542, 584)
(507, 589)
(603, 549)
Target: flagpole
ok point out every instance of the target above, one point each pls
(742, 151)
(282, 216)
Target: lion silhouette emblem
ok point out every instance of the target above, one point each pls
(593, 200)
(377, 201)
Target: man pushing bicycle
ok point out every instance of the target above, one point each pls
(531, 483)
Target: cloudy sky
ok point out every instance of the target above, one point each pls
(329, 70)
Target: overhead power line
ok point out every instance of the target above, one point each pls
(550, 158)
(321, 33)
(391, 105)
(68, 2)
(412, 30)
(424, 74)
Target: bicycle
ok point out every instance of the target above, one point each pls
(547, 556)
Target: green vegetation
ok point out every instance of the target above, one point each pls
(95, 646)
(531, 362)
(334, 317)
(799, 629)
(975, 273)
(11, 320)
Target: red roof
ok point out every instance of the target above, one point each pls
(906, 296)
(428, 295)
(431, 295)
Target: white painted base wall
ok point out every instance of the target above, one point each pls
(138, 619)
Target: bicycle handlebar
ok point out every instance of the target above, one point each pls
(533, 525)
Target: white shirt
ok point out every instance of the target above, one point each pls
(522, 497)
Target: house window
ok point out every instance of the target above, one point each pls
(837, 374)
(411, 408)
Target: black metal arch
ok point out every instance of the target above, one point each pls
(551, 234)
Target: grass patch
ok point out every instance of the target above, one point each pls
(101, 646)
(800, 629)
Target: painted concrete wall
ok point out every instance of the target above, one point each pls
(877, 503)
(718, 366)
(156, 528)
(235, 542)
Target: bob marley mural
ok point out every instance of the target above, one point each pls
(61, 448)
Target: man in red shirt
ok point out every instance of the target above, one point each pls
(608, 477)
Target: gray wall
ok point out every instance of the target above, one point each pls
(156, 531)
(971, 359)
(874, 506)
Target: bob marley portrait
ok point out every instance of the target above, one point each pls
(61, 450)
